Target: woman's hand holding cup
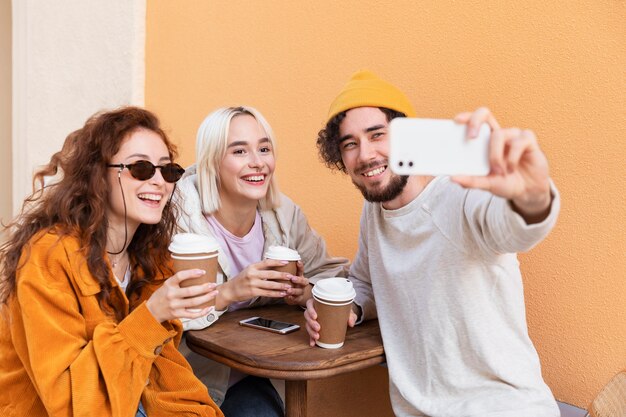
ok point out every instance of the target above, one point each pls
(171, 301)
(256, 280)
(301, 290)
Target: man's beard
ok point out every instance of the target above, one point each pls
(392, 190)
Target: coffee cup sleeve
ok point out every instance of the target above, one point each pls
(202, 322)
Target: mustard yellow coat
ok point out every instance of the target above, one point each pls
(61, 355)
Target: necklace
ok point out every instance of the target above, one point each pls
(115, 262)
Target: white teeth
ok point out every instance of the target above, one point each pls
(374, 172)
(152, 197)
(255, 178)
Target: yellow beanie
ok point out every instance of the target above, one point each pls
(365, 89)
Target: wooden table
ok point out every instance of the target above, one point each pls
(288, 357)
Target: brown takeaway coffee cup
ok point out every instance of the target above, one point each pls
(192, 251)
(283, 253)
(332, 300)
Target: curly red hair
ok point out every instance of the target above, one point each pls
(76, 204)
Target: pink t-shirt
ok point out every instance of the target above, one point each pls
(240, 251)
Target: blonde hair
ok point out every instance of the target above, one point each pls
(211, 146)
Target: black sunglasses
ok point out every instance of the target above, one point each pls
(144, 170)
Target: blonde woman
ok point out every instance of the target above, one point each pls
(231, 194)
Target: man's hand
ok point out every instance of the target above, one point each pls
(519, 169)
(313, 327)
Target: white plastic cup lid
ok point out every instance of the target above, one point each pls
(334, 289)
(185, 243)
(282, 253)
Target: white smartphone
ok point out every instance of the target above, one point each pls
(437, 147)
(269, 325)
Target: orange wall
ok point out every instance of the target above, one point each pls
(556, 67)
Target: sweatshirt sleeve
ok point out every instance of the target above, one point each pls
(360, 274)
(497, 229)
(79, 362)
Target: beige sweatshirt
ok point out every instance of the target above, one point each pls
(450, 302)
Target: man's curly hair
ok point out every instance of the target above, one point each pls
(328, 139)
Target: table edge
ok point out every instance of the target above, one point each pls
(296, 374)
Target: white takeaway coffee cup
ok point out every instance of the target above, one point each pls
(283, 253)
(332, 300)
(194, 251)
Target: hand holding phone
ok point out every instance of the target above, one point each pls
(269, 325)
(437, 147)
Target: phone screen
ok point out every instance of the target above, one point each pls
(270, 324)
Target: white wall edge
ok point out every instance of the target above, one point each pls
(47, 103)
(139, 48)
(21, 181)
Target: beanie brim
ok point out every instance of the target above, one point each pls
(367, 90)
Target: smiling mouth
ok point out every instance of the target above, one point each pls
(374, 172)
(254, 179)
(150, 197)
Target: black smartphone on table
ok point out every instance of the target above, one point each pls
(270, 325)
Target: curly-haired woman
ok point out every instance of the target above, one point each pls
(88, 314)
